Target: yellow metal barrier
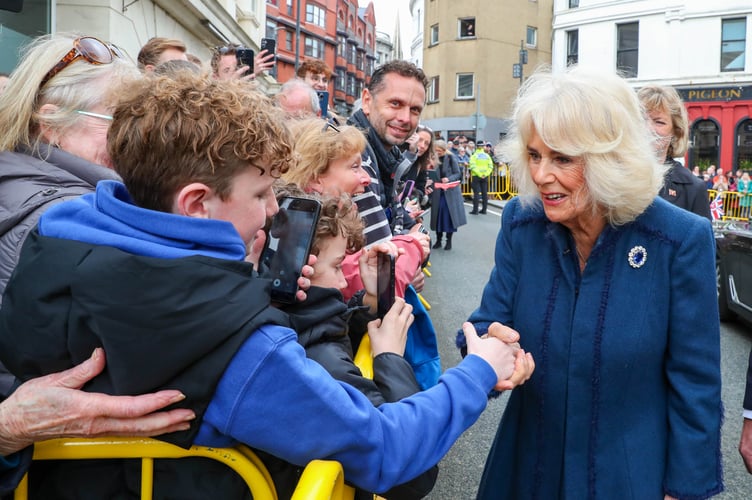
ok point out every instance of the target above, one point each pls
(732, 209)
(242, 460)
(499, 186)
(363, 358)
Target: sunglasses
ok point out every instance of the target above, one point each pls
(329, 125)
(87, 47)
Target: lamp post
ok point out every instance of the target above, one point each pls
(297, 36)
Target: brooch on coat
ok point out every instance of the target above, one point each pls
(637, 256)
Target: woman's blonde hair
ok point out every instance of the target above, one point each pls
(79, 86)
(595, 116)
(666, 99)
(316, 144)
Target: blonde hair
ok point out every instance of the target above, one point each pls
(316, 145)
(595, 116)
(666, 99)
(79, 86)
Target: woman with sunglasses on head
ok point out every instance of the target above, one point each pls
(53, 129)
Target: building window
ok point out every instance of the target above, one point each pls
(733, 40)
(340, 80)
(359, 61)
(271, 2)
(627, 48)
(573, 4)
(288, 40)
(341, 46)
(466, 27)
(289, 7)
(351, 85)
(314, 48)
(433, 89)
(531, 36)
(271, 29)
(434, 35)
(573, 38)
(350, 53)
(315, 14)
(465, 85)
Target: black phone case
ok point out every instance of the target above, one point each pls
(276, 264)
(269, 44)
(386, 294)
(245, 58)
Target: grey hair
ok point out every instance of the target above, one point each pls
(294, 84)
(595, 116)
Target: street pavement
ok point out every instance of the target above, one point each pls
(454, 290)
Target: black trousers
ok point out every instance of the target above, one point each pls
(480, 192)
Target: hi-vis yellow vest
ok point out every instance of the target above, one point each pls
(481, 164)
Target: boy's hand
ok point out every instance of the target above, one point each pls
(390, 333)
(423, 239)
(255, 249)
(512, 366)
(304, 280)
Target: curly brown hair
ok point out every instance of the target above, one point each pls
(315, 66)
(168, 132)
(338, 216)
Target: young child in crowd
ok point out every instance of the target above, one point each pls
(323, 319)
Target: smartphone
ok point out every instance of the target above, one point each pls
(288, 245)
(245, 58)
(323, 102)
(269, 44)
(385, 283)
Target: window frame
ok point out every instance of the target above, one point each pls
(725, 41)
(432, 93)
(433, 35)
(317, 13)
(534, 31)
(457, 95)
(465, 22)
(312, 42)
(573, 56)
(621, 52)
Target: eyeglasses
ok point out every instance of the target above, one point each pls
(92, 49)
(94, 115)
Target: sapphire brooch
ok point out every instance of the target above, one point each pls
(637, 256)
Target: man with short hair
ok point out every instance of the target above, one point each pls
(224, 63)
(315, 73)
(158, 50)
(298, 99)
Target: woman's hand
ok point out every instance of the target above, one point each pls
(53, 406)
(390, 333)
(368, 265)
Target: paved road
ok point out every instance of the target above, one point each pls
(454, 291)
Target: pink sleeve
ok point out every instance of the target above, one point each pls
(405, 269)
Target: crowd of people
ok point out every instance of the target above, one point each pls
(136, 200)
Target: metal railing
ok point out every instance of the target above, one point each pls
(500, 188)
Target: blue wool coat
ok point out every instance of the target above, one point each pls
(625, 401)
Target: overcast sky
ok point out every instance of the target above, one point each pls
(386, 12)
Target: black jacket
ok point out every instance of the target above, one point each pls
(132, 315)
(322, 326)
(684, 190)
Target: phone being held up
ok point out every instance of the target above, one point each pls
(288, 245)
(269, 45)
(385, 283)
(244, 57)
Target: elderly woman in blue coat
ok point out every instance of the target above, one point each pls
(612, 290)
